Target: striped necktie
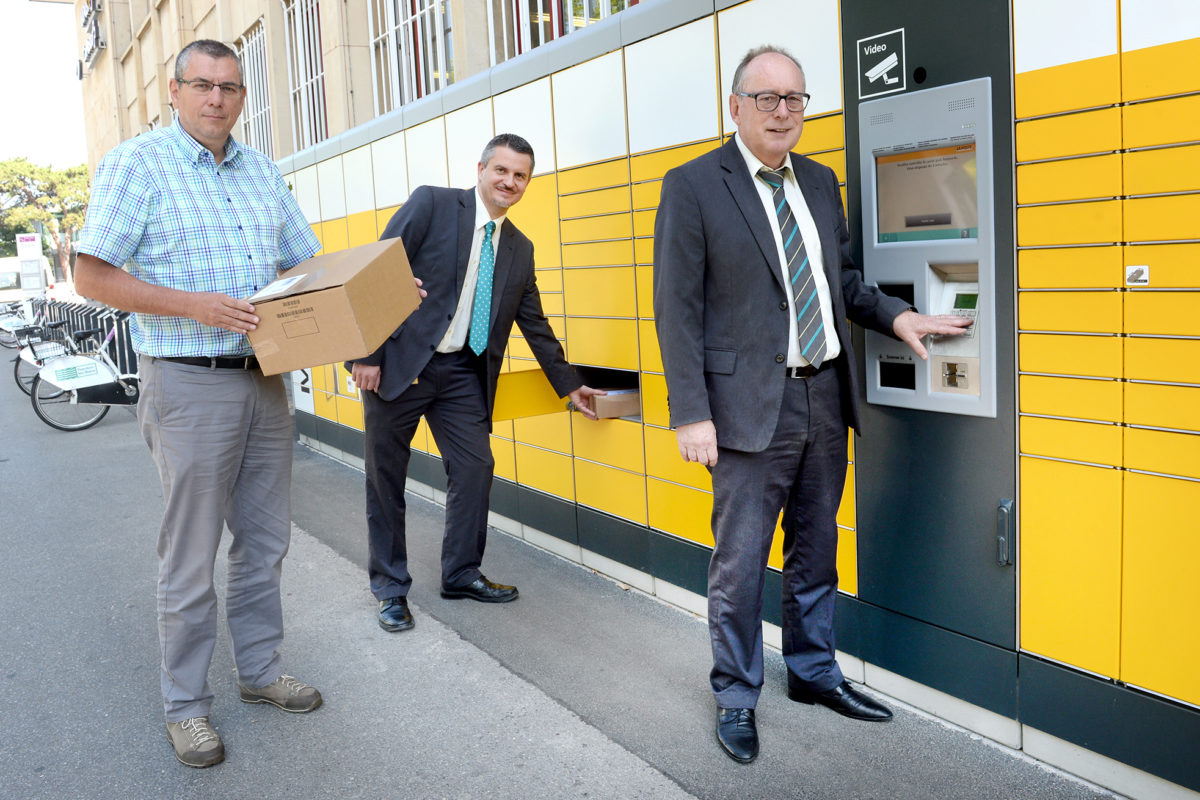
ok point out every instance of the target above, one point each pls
(810, 328)
(481, 309)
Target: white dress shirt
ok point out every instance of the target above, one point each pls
(460, 326)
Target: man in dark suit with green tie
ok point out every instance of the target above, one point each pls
(753, 283)
(442, 363)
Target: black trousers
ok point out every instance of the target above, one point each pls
(801, 473)
(449, 394)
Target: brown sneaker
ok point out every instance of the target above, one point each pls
(285, 692)
(196, 743)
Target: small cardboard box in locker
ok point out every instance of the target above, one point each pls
(335, 307)
(617, 403)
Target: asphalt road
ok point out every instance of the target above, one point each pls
(581, 688)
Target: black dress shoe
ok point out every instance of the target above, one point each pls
(845, 700)
(737, 733)
(483, 590)
(394, 615)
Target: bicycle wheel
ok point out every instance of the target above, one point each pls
(8, 339)
(58, 409)
(24, 372)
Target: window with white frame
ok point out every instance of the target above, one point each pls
(306, 72)
(256, 113)
(517, 26)
(411, 50)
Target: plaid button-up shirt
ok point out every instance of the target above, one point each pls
(162, 207)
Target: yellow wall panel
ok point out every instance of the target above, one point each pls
(680, 510)
(1069, 179)
(553, 303)
(592, 229)
(549, 280)
(548, 431)
(823, 133)
(382, 217)
(1069, 135)
(361, 228)
(600, 292)
(504, 454)
(1149, 219)
(644, 276)
(421, 437)
(1163, 451)
(847, 561)
(546, 471)
(1094, 442)
(615, 442)
(651, 355)
(1170, 169)
(1070, 268)
(603, 342)
(1163, 406)
(335, 235)
(1074, 223)
(1160, 642)
(1081, 311)
(1168, 313)
(1162, 122)
(1175, 360)
(1071, 397)
(598, 254)
(519, 348)
(1070, 582)
(835, 160)
(646, 195)
(1096, 356)
(1172, 266)
(613, 491)
(648, 166)
(664, 461)
(603, 201)
(325, 405)
(319, 232)
(349, 412)
(524, 391)
(323, 378)
(1160, 70)
(643, 222)
(596, 176)
(1067, 87)
(643, 251)
(846, 511)
(654, 400)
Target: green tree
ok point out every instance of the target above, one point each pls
(57, 198)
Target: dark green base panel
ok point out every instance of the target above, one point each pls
(1147, 732)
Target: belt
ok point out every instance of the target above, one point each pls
(218, 362)
(806, 371)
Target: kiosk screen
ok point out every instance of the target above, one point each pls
(927, 193)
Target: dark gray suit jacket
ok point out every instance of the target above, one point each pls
(720, 303)
(436, 226)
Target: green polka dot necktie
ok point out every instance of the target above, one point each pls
(810, 328)
(481, 310)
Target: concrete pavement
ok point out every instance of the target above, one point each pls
(582, 688)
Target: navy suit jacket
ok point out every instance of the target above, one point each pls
(720, 304)
(436, 226)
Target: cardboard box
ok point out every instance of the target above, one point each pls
(618, 403)
(336, 307)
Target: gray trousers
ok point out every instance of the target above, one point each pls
(802, 473)
(222, 440)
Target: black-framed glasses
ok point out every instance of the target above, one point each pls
(769, 101)
(203, 87)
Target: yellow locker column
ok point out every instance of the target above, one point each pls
(1160, 630)
(1069, 317)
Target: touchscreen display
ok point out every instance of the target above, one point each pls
(927, 192)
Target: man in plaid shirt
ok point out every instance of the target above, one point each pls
(201, 222)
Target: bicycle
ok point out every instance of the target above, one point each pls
(38, 342)
(12, 316)
(74, 391)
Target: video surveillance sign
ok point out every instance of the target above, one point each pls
(881, 64)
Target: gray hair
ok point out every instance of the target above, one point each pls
(210, 48)
(513, 142)
(739, 74)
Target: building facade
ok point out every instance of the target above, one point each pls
(362, 101)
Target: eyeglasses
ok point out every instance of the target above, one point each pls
(769, 101)
(203, 87)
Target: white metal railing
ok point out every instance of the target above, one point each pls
(518, 26)
(256, 114)
(411, 50)
(306, 72)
